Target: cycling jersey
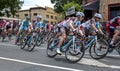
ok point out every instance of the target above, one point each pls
(66, 24)
(25, 25)
(87, 25)
(78, 23)
(38, 25)
(111, 25)
(60, 24)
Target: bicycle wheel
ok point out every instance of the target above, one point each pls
(32, 44)
(74, 55)
(99, 49)
(23, 44)
(39, 41)
(51, 50)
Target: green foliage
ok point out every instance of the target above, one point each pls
(60, 3)
(70, 4)
(10, 7)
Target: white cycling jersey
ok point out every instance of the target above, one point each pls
(66, 23)
(87, 24)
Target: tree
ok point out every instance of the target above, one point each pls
(15, 6)
(10, 7)
(59, 3)
(70, 4)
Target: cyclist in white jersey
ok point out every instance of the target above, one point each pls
(93, 25)
(65, 29)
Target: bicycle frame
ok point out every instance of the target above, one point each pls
(63, 48)
(94, 39)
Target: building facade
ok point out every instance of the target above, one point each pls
(108, 8)
(46, 13)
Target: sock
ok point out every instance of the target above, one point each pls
(112, 41)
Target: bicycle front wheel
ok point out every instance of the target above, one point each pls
(75, 52)
(99, 49)
(51, 50)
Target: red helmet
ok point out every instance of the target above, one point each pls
(118, 21)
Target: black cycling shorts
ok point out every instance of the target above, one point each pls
(8, 27)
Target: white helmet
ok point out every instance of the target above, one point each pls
(39, 16)
(98, 15)
(80, 14)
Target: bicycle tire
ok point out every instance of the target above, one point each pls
(51, 49)
(81, 56)
(93, 50)
(34, 44)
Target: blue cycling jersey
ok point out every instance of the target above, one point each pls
(39, 24)
(78, 23)
(25, 25)
(97, 24)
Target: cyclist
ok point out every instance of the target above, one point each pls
(39, 24)
(67, 25)
(113, 27)
(78, 23)
(93, 25)
(26, 27)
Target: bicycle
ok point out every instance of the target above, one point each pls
(117, 44)
(29, 41)
(51, 48)
(98, 48)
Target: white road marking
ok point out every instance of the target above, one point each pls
(39, 64)
(96, 63)
(93, 62)
(85, 61)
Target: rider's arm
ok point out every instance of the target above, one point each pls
(99, 29)
(71, 25)
(31, 26)
(93, 25)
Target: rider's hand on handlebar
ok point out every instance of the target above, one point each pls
(74, 30)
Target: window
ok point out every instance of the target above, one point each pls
(55, 18)
(47, 16)
(51, 22)
(35, 14)
(51, 17)
(26, 14)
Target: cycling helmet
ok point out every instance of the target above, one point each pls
(98, 15)
(80, 14)
(39, 16)
(28, 17)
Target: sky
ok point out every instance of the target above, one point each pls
(36, 3)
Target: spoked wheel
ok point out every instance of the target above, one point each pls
(51, 50)
(23, 44)
(39, 41)
(32, 44)
(118, 49)
(76, 53)
(99, 49)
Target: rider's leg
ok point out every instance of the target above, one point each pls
(115, 36)
(81, 32)
(17, 36)
(3, 34)
(61, 40)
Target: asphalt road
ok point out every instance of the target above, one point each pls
(12, 58)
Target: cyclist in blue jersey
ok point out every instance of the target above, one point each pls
(26, 27)
(39, 24)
